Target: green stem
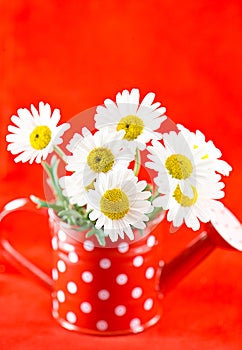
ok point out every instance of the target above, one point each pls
(155, 212)
(60, 153)
(137, 163)
(56, 187)
(155, 195)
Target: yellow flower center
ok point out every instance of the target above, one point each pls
(90, 186)
(40, 137)
(114, 204)
(132, 125)
(179, 166)
(205, 156)
(183, 200)
(100, 159)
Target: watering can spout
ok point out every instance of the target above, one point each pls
(224, 231)
(176, 269)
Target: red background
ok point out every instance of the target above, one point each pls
(74, 54)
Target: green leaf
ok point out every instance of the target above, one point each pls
(43, 204)
(99, 235)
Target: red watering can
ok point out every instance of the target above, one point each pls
(115, 290)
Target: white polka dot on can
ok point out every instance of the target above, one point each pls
(122, 279)
(135, 323)
(87, 276)
(102, 325)
(72, 287)
(120, 310)
(105, 263)
(62, 236)
(68, 247)
(61, 266)
(86, 307)
(149, 273)
(55, 304)
(136, 292)
(54, 274)
(71, 317)
(151, 241)
(103, 294)
(54, 243)
(148, 304)
(88, 246)
(61, 296)
(138, 261)
(123, 247)
(73, 257)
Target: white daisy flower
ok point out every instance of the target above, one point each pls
(73, 188)
(206, 151)
(190, 209)
(138, 119)
(118, 203)
(94, 154)
(177, 162)
(35, 133)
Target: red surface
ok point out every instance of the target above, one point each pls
(74, 54)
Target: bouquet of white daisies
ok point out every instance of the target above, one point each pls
(103, 191)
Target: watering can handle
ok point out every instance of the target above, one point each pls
(10, 254)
